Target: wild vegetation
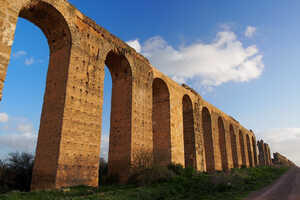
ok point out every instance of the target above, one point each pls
(16, 172)
(152, 182)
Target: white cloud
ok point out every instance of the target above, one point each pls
(23, 139)
(24, 142)
(250, 31)
(135, 44)
(206, 64)
(3, 118)
(19, 54)
(29, 61)
(18, 135)
(284, 141)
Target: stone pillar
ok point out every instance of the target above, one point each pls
(9, 12)
(261, 149)
(268, 154)
(229, 145)
(216, 141)
(238, 144)
(199, 140)
(255, 151)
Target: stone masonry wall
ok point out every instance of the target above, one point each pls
(151, 114)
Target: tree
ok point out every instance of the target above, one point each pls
(18, 171)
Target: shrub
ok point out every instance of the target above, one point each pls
(103, 171)
(155, 174)
(176, 168)
(104, 177)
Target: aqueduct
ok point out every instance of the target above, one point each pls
(150, 112)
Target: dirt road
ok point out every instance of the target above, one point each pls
(285, 188)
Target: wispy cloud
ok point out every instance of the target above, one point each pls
(29, 61)
(284, 141)
(205, 64)
(3, 118)
(250, 31)
(19, 54)
(25, 128)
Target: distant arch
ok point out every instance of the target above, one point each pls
(254, 150)
(208, 140)
(188, 132)
(267, 154)
(233, 147)
(161, 122)
(222, 144)
(242, 147)
(249, 151)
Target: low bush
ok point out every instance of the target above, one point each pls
(147, 176)
(104, 177)
(176, 168)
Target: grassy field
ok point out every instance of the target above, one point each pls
(232, 185)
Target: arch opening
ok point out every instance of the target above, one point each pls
(242, 147)
(120, 115)
(208, 140)
(254, 151)
(161, 122)
(23, 92)
(222, 144)
(54, 26)
(188, 132)
(233, 147)
(249, 151)
(105, 129)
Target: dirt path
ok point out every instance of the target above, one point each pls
(285, 188)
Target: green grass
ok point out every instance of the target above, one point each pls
(232, 185)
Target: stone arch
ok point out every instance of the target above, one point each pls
(54, 26)
(161, 122)
(254, 151)
(249, 151)
(121, 111)
(208, 140)
(242, 147)
(222, 144)
(56, 29)
(233, 147)
(188, 132)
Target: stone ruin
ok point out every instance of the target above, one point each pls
(150, 112)
(264, 156)
(279, 159)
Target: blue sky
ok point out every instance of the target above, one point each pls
(241, 56)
